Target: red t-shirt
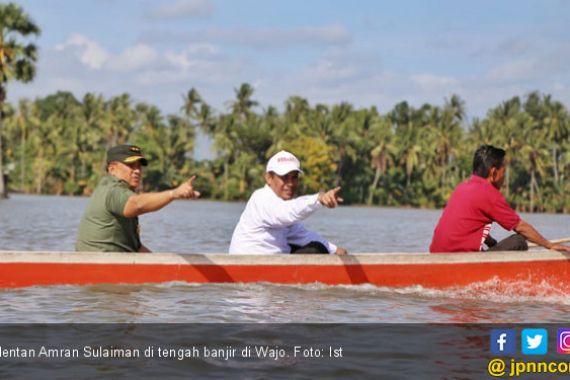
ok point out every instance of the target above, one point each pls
(466, 220)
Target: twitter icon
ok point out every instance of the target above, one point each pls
(534, 341)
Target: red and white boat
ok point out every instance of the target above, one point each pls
(441, 271)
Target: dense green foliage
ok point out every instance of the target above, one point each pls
(17, 57)
(405, 157)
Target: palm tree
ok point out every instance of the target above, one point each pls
(224, 142)
(296, 109)
(191, 101)
(206, 120)
(26, 116)
(17, 59)
(535, 164)
(535, 137)
(382, 152)
(407, 126)
(121, 120)
(343, 134)
(557, 124)
(507, 122)
(448, 131)
(190, 108)
(243, 103)
(93, 139)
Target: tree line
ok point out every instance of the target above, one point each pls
(406, 156)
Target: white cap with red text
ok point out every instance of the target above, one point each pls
(282, 163)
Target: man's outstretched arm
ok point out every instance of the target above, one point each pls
(531, 234)
(143, 203)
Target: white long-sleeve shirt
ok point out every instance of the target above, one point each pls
(269, 224)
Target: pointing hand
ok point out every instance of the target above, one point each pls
(186, 190)
(330, 199)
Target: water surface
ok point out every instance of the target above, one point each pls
(47, 223)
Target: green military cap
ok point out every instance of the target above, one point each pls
(126, 154)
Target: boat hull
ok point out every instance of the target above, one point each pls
(22, 269)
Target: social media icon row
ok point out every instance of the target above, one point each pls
(533, 341)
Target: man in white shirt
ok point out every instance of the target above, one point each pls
(271, 220)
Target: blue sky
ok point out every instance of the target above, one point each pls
(364, 52)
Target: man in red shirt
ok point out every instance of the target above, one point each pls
(475, 204)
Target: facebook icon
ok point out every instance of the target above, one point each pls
(503, 341)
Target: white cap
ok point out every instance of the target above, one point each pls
(282, 163)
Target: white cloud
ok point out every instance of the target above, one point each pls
(183, 9)
(134, 58)
(214, 61)
(136, 68)
(95, 57)
(89, 52)
(178, 59)
(193, 56)
(199, 63)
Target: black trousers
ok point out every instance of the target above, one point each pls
(314, 247)
(513, 243)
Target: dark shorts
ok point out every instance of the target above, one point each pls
(513, 243)
(313, 247)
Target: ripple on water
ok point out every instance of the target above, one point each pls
(27, 223)
(263, 302)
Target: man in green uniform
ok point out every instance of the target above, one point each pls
(110, 222)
